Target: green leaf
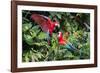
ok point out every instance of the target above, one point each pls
(33, 34)
(26, 27)
(42, 35)
(28, 39)
(59, 16)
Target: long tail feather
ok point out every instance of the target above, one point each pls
(48, 37)
(70, 47)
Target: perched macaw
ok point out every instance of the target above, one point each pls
(65, 42)
(45, 23)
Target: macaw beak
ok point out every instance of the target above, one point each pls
(57, 25)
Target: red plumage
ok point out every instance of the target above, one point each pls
(44, 22)
(61, 39)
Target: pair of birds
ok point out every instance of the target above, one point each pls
(48, 26)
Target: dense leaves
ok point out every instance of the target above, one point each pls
(34, 40)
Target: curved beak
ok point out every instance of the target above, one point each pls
(57, 25)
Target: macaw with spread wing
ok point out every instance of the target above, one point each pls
(46, 24)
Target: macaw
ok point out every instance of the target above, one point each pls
(45, 23)
(65, 42)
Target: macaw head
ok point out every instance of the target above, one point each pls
(61, 39)
(56, 23)
(59, 34)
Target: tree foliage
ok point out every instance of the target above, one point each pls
(35, 46)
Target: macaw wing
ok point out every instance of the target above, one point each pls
(62, 42)
(70, 47)
(42, 21)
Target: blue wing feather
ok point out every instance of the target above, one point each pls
(70, 47)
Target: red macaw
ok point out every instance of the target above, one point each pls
(65, 42)
(45, 23)
(61, 39)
